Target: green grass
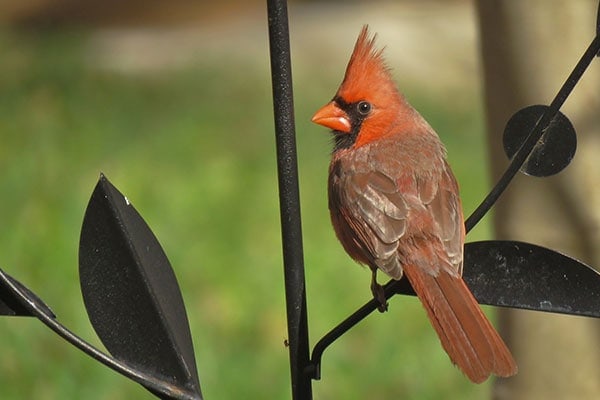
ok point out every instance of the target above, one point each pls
(193, 149)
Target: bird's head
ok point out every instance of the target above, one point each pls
(367, 103)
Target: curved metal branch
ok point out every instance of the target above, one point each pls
(535, 134)
(37, 308)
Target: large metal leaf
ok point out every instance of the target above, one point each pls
(524, 275)
(130, 291)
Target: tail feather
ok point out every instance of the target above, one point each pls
(466, 334)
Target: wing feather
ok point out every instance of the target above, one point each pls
(378, 210)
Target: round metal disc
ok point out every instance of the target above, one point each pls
(555, 149)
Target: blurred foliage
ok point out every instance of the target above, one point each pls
(193, 149)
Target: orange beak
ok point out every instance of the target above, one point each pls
(333, 117)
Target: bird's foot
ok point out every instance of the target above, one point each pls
(378, 293)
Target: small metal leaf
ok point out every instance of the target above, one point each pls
(12, 304)
(131, 293)
(523, 275)
(555, 149)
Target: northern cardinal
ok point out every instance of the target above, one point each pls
(395, 207)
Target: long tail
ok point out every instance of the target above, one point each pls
(466, 334)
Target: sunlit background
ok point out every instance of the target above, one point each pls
(172, 101)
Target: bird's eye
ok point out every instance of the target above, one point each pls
(363, 107)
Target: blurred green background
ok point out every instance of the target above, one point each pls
(180, 120)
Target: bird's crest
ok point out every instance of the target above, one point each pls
(367, 73)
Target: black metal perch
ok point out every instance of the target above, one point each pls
(133, 299)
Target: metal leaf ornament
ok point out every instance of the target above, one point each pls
(130, 291)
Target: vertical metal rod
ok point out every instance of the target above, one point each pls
(289, 198)
(598, 26)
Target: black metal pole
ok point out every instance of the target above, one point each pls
(289, 198)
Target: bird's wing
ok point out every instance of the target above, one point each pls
(371, 217)
(441, 199)
(382, 211)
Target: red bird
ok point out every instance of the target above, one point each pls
(395, 206)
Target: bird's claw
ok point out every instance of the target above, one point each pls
(378, 293)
